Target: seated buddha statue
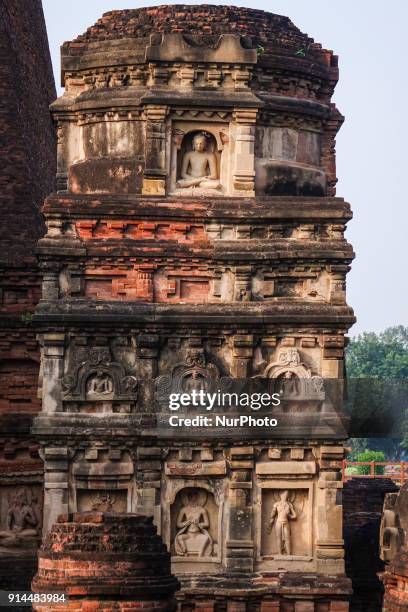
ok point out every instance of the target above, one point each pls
(199, 166)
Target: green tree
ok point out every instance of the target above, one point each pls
(367, 455)
(383, 355)
(382, 359)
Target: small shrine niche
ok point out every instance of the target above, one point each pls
(199, 164)
(195, 525)
(285, 530)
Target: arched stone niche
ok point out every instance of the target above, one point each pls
(183, 134)
(292, 379)
(192, 522)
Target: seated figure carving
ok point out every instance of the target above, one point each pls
(21, 521)
(193, 522)
(199, 166)
(100, 384)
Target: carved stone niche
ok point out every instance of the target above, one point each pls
(284, 525)
(192, 374)
(194, 525)
(101, 480)
(97, 383)
(20, 518)
(292, 379)
(199, 160)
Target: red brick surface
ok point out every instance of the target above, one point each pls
(265, 29)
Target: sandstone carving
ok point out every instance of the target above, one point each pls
(199, 166)
(105, 502)
(292, 379)
(193, 374)
(282, 513)
(193, 522)
(100, 384)
(95, 375)
(21, 521)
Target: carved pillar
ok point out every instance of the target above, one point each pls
(53, 346)
(242, 353)
(147, 351)
(154, 180)
(149, 467)
(338, 284)
(332, 356)
(239, 545)
(50, 284)
(243, 280)
(244, 153)
(62, 137)
(329, 526)
(56, 471)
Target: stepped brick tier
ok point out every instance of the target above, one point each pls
(103, 561)
(195, 236)
(27, 175)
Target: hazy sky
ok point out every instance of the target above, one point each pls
(370, 38)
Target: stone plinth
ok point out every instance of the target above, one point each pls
(105, 561)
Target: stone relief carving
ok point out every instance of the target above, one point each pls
(105, 502)
(200, 156)
(284, 524)
(193, 374)
(22, 520)
(199, 166)
(193, 522)
(292, 379)
(95, 375)
(101, 500)
(99, 384)
(391, 534)
(283, 512)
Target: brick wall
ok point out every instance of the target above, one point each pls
(27, 174)
(27, 146)
(363, 500)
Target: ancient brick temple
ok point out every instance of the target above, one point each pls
(195, 235)
(27, 175)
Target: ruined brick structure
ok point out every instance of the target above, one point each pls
(103, 561)
(195, 235)
(363, 500)
(27, 175)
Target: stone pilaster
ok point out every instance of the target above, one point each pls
(244, 153)
(239, 543)
(154, 180)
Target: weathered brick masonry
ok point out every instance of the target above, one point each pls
(105, 562)
(27, 174)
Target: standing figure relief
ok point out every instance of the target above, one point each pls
(282, 513)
